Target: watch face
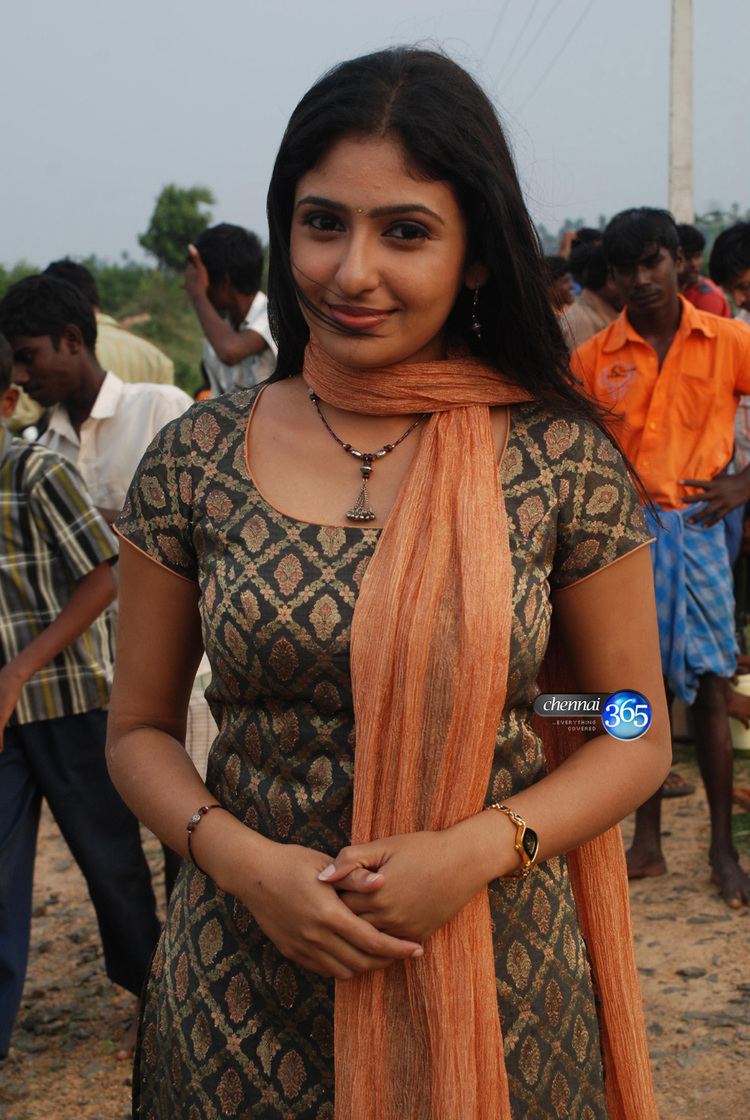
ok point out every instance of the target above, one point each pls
(530, 842)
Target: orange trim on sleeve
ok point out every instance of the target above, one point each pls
(192, 582)
(559, 590)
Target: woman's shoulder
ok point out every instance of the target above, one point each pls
(564, 463)
(564, 440)
(211, 424)
(227, 409)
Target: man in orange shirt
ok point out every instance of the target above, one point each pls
(671, 376)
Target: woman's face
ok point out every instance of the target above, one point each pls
(380, 252)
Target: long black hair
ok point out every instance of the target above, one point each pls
(449, 132)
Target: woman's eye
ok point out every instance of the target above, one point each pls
(407, 231)
(326, 223)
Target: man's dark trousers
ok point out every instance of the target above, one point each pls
(63, 761)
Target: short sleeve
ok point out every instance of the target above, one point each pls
(67, 518)
(600, 518)
(157, 515)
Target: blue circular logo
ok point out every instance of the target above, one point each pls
(626, 715)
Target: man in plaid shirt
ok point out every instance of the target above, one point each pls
(56, 581)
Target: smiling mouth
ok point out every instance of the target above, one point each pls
(358, 318)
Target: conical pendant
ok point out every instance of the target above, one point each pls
(362, 510)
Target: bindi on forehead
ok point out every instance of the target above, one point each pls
(390, 210)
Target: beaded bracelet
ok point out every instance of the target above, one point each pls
(193, 823)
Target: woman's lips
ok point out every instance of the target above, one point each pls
(358, 318)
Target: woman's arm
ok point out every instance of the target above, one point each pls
(607, 623)
(158, 651)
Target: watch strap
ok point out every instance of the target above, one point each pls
(526, 842)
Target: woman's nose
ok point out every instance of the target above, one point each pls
(357, 271)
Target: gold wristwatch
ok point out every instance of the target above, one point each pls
(526, 842)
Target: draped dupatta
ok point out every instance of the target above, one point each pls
(430, 645)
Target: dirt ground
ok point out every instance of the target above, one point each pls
(693, 955)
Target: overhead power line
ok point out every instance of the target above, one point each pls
(495, 29)
(519, 36)
(535, 39)
(559, 54)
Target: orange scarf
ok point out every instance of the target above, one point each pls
(430, 644)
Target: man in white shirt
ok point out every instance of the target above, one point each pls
(222, 280)
(110, 442)
(96, 421)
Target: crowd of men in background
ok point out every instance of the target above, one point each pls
(651, 338)
(653, 341)
(89, 397)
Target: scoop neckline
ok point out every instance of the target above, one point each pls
(375, 529)
(280, 512)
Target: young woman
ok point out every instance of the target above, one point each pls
(351, 935)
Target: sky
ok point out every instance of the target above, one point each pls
(102, 104)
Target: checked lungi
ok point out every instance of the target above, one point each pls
(694, 600)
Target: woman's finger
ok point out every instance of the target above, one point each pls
(361, 880)
(359, 904)
(350, 859)
(371, 941)
(355, 961)
(341, 961)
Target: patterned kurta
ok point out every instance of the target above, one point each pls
(231, 1028)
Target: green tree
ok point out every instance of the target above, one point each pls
(178, 217)
(14, 273)
(119, 282)
(717, 219)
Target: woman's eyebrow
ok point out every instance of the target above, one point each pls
(377, 212)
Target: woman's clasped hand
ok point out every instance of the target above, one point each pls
(407, 886)
(372, 905)
(310, 923)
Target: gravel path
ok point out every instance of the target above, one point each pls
(693, 954)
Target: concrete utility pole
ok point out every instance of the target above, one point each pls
(681, 199)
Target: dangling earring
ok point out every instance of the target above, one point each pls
(476, 326)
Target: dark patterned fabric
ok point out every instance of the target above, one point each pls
(230, 1027)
